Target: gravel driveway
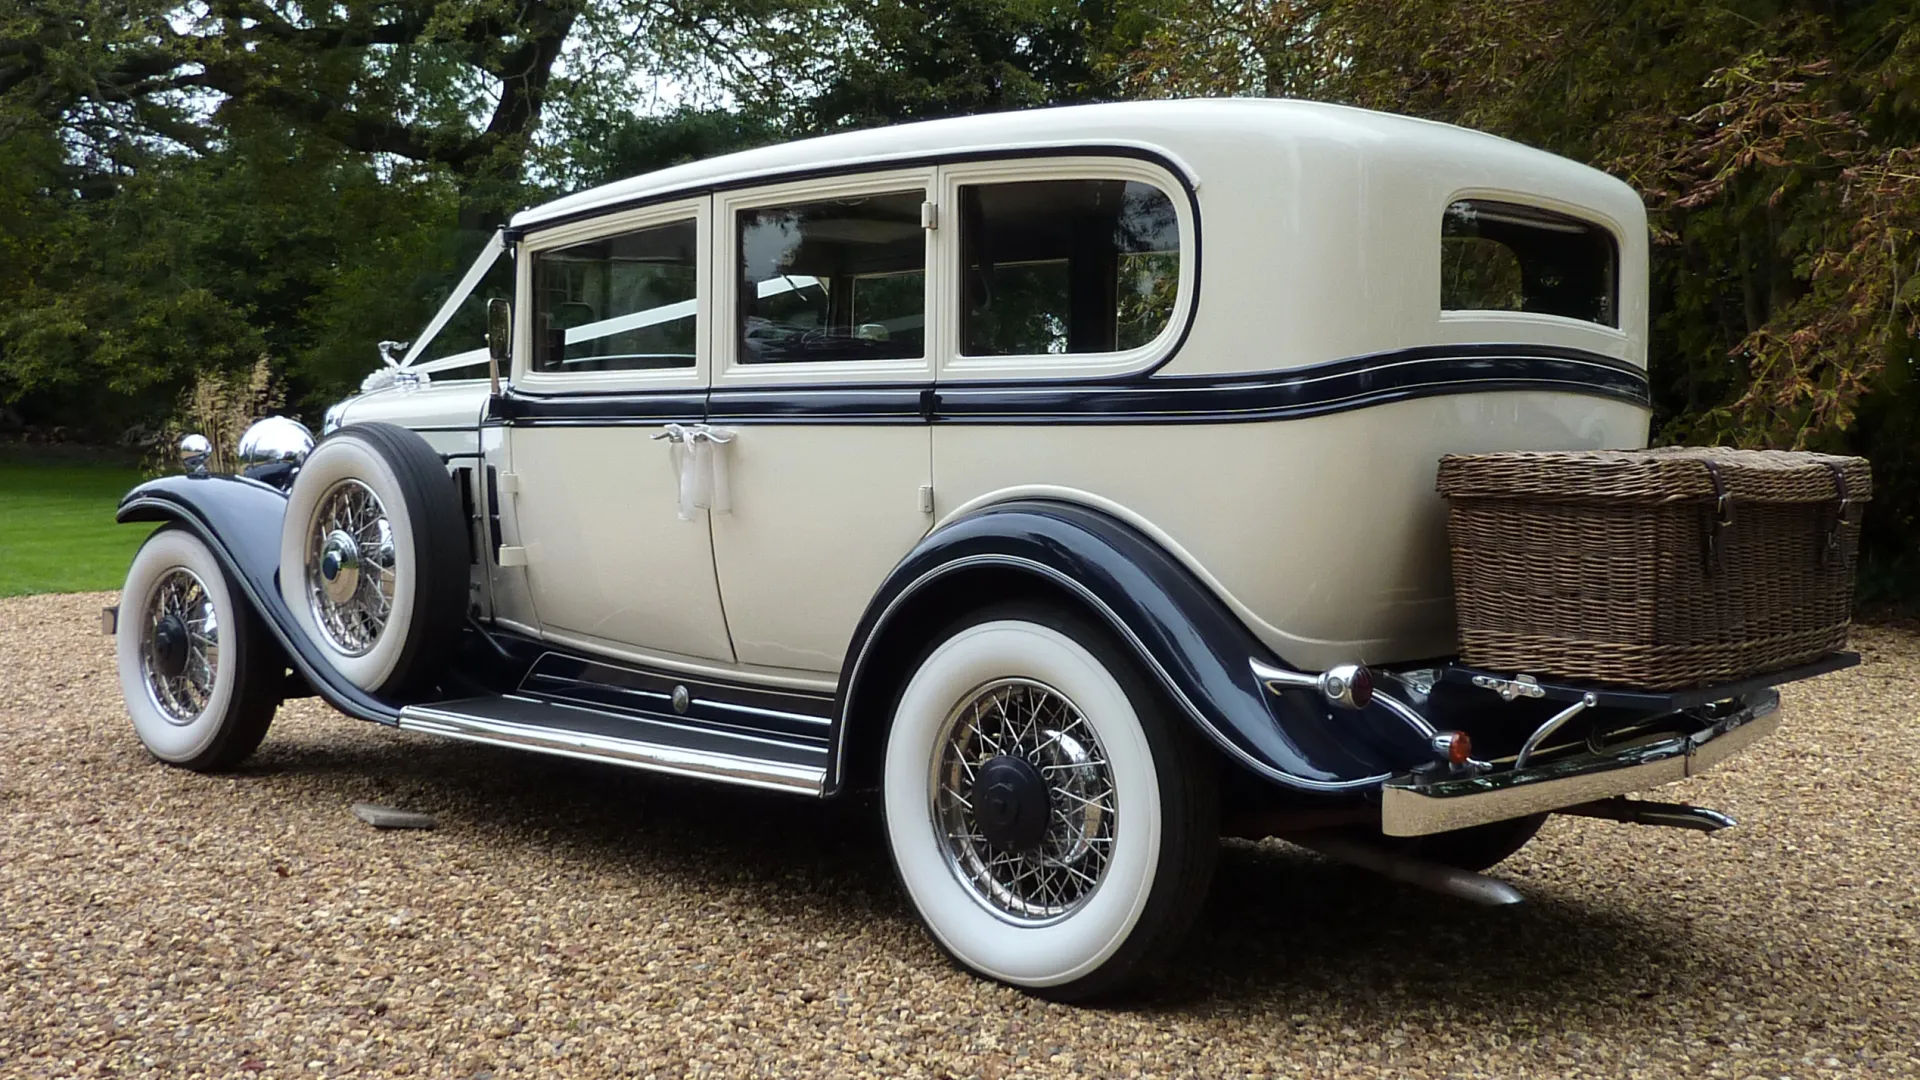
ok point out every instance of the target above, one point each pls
(570, 920)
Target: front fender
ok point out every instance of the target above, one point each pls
(1181, 632)
(240, 519)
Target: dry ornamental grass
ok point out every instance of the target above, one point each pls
(569, 920)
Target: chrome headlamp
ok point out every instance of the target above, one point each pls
(276, 440)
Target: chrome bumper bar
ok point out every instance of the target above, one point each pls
(1416, 806)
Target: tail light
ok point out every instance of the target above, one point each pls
(1349, 686)
(1454, 747)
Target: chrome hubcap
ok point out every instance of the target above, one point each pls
(179, 645)
(340, 567)
(350, 567)
(1023, 802)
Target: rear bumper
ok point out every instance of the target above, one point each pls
(1415, 806)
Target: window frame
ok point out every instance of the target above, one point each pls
(728, 369)
(1585, 214)
(699, 210)
(955, 366)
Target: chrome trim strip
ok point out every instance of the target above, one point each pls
(1410, 809)
(651, 757)
(667, 720)
(798, 718)
(1420, 725)
(557, 689)
(1553, 724)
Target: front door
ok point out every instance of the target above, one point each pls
(613, 348)
(822, 353)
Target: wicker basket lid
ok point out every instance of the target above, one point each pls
(1659, 475)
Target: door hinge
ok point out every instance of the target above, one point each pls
(926, 498)
(512, 556)
(929, 216)
(509, 483)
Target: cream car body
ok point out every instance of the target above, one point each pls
(1067, 475)
(1315, 230)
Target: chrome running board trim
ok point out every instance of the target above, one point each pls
(565, 731)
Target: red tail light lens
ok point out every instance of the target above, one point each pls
(1362, 691)
(1454, 746)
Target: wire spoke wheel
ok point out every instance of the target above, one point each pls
(179, 645)
(350, 567)
(1025, 805)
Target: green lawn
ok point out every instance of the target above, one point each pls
(57, 532)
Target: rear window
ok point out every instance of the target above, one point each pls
(1497, 256)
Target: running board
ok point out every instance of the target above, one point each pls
(637, 742)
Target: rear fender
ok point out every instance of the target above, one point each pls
(1182, 633)
(240, 520)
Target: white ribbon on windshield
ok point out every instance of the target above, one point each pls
(490, 254)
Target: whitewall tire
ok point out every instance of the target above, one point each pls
(200, 676)
(373, 557)
(1053, 825)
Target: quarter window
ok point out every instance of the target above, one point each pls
(624, 303)
(1497, 256)
(836, 279)
(1066, 266)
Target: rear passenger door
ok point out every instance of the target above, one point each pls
(822, 346)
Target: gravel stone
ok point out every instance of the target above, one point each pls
(387, 817)
(573, 920)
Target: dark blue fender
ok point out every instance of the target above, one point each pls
(1182, 632)
(240, 519)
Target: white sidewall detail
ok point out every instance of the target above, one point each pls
(344, 457)
(166, 550)
(1080, 943)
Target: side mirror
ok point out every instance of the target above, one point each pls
(499, 338)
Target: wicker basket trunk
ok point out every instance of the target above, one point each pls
(1658, 569)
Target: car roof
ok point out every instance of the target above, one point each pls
(1171, 130)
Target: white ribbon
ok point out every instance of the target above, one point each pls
(700, 462)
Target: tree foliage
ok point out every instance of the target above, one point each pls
(197, 186)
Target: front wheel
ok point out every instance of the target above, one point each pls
(200, 674)
(1053, 825)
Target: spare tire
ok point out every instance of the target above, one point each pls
(373, 557)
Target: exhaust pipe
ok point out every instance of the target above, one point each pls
(1446, 880)
(1644, 812)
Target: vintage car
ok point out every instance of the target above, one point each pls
(1067, 476)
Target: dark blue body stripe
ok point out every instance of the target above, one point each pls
(1354, 383)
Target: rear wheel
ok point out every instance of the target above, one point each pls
(1054, 826)
(200, 675)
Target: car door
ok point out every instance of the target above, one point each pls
(613, 349)
(822, 349)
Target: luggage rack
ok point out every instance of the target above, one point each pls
(1594, 695)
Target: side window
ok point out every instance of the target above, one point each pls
(1497, 256)
(837, 279)
(622, 303)
(1065, 266)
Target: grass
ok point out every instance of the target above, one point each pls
(57, 532)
